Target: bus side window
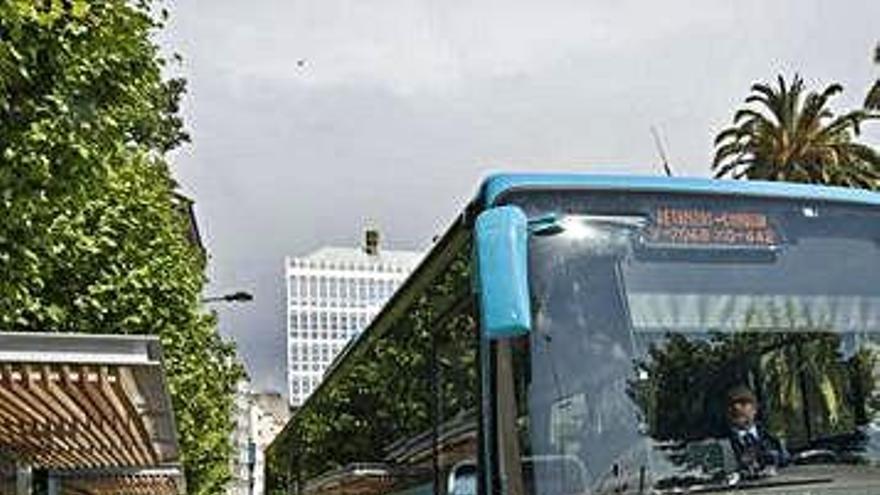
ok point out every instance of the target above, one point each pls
(462, 479)
(457, 403)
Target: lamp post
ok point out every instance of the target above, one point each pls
(240, 296)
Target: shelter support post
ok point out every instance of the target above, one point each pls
(23, 479)
(53, 485)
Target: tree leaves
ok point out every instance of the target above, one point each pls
(872, 100)
(92, 238)
(786, 135)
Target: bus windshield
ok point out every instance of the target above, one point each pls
(693, 345)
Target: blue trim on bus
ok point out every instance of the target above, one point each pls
(496, 185)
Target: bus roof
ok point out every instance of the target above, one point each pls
(497, 185)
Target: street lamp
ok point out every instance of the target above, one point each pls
(240, 296)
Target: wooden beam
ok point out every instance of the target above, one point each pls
(72, 381)
(72, 444)
(108, 453)
(24, 411)
(115, 391)
(92, 387)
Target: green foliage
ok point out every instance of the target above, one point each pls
(786, 135)
(92, 238)
(872, 100)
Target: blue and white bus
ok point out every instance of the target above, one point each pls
(581, 334)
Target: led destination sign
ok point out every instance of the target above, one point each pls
(695, 227)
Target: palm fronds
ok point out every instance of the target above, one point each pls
(788, 134)
(872, 101)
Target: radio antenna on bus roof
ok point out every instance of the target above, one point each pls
(661, 151)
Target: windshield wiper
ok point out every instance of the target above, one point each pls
(742, 485)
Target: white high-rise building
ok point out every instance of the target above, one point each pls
(332, 294)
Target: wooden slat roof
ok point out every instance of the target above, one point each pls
(126, 485)
(80, 403)
(122, 481)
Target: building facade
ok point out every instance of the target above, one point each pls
(332, 295)
(259, 417)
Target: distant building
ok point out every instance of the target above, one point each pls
(240, 484)
(332, 294)
(258, 417)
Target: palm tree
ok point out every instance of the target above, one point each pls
(786, 135)
(872, 101)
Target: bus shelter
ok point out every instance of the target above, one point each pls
(85, 415)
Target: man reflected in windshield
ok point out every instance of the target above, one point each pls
(756, 450)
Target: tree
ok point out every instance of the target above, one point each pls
(786, 135)
(872, 101)
(91, 237)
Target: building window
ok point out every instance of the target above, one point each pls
(362, 290)
(312, 287)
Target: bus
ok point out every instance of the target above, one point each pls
(591, 335)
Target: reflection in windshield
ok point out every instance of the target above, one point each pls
(669, 375)
(774, 400)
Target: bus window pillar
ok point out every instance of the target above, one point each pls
(508, 436)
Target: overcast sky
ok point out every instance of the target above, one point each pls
(312, 118)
